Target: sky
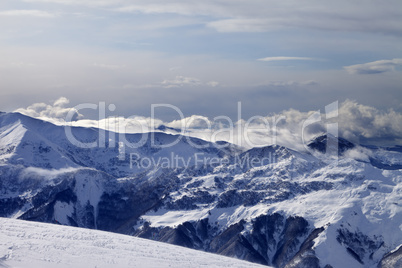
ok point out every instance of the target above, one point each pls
(203, 57)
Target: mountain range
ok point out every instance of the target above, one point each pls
(269, 205)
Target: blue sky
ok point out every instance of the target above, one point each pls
(202, 56)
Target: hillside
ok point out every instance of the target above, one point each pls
(29, 244)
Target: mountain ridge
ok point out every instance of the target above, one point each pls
(281, 212)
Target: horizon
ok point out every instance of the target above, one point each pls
(197, 61)
(291, 129)
(201, 57)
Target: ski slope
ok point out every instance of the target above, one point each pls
(31, 244)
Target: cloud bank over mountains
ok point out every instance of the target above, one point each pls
(356, 122)
(50, 112)
(203, 56)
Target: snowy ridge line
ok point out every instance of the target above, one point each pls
(32, 244)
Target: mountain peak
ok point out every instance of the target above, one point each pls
(325, 141)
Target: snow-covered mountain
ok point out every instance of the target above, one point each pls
(269, 205)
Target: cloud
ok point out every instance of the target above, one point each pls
(56, 113)
(375, 67)
(213, 84)
(241, 25)
(260, 16)
(358, 123)
(62, 101)
(267, 15)
(161, 8)
(359, 153)
(191, 122)
(285, 58)
(108, 66)
(177, 82)
(180, 81)
(31, 13)
(369, 124)
(291, 83)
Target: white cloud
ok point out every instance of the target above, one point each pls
(268, 15)
(108, 66)
(375, 67)
(367, 122)
(285, 58)
(291, 83)
(54, 113)
(213, 84)
(359, 153)
(98, 3)
(180, 81)
(358, 123)
(175, 8)
(24, 13)
(177, 82)
(191, 122)
(60, 102)
(241, 25)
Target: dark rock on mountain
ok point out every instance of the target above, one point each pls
(358, 245)
(272, 240)
(324, 142)
(381, 165)
(306, 257)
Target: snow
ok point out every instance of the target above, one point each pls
(62, 210)
(30, 244)
(10, 137)
(363, 199)
(165, 217)
(89, 190)
(329, 252)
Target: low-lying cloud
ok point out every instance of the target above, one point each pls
(356, 122)
(375, 67)
(177, 82)
(180, 81)
(56, 112)
(28, 12)
(285, 58)
(260, 16)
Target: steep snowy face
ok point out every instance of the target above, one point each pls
(269, 205)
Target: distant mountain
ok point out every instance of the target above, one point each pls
(269, 205)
